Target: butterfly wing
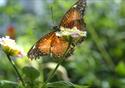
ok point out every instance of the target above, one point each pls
(74, 18)
(60, 47)
(42, 46)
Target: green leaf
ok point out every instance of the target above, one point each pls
(31, 73)
(64, 84)
(120, 68)
(8, 84)
(81, 86)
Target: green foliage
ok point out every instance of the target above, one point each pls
(31, 73)
(120, 69)
(8, 84)
(64, 84)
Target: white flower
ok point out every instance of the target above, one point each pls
(10, 47)
(74, 32)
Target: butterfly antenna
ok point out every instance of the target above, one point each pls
(52, 16)
(55, 27)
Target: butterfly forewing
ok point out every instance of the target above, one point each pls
(74, 16)
(42, 46)
(69, 19)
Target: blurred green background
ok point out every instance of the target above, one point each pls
(98, 62)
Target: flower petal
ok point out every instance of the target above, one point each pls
(10, 47)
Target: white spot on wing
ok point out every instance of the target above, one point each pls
(74, 6)
(34, 46)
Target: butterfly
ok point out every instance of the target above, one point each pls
(58, 46)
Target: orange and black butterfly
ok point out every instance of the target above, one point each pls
(51, 44)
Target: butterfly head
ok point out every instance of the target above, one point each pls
(56, 28)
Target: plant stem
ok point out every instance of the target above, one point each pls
(52, 73)
(20, 77)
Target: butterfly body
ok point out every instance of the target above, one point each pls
(59, 46)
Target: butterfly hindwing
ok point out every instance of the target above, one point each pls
(60, 47)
